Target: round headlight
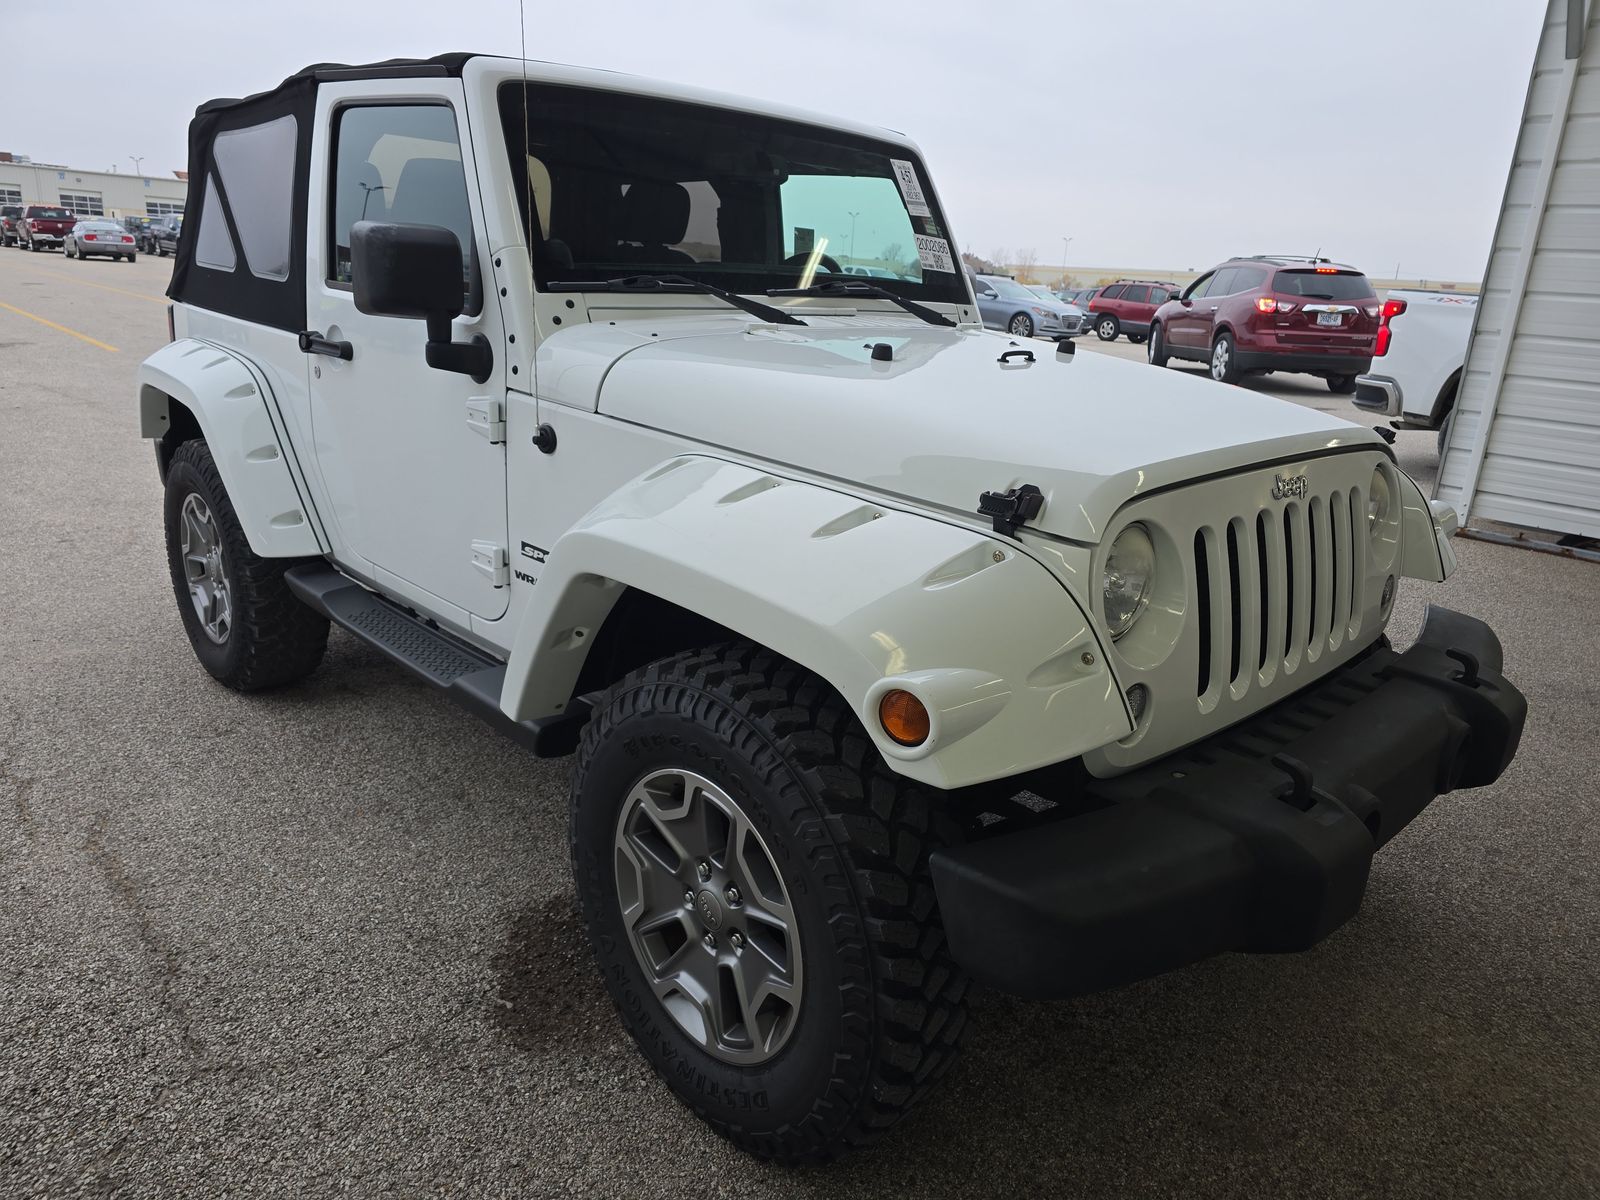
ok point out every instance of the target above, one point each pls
(1129, 568)
(1379, 501)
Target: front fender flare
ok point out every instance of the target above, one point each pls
(233, 404)
(868, 597)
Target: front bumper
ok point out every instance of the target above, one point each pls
(1259, 839)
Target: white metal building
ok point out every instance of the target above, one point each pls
(1533, 365)
(91, 193)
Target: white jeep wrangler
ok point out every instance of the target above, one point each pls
(895, 653)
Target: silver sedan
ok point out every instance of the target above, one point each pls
(99, 237)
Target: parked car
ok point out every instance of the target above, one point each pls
(1078, 296)
(1006, 304)
(1071, 309)
(1125, 307)
(43, 225)
(893, 656)
(161, 237)
(137, 226)
(1271, 313)
(1421, 350)
(99, 237)
(10, 214)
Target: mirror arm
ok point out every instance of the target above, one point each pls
(474, 357)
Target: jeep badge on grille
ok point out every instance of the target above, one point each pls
(1284, 486)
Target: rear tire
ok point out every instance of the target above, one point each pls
(1106, 327)
(797, 788)
(1342, 384)
(1444, 430)
(255, 634)
(1224, 361)
(1157, 350)
(1138, 339)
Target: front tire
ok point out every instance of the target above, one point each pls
(247, 629)
(1020, 325)
(1107, 327)
(1224, 361)
(1341, 384)
(1156, 351)
(827, 853)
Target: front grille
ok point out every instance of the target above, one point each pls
(1275, 590)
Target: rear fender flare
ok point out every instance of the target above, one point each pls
(233, 405)
(868, 597)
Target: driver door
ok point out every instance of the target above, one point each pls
(411, 456)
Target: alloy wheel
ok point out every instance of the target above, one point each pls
(204, 569)
(1219, 359)
(708, 916)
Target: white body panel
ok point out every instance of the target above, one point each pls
(411, 484)
(238, 413)
(869, 597)
(1427, 347)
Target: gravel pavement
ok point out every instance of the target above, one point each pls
(322, 941)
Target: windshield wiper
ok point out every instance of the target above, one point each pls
(676, 283)
(855, 287)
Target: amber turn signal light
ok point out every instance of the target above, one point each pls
(904, 718)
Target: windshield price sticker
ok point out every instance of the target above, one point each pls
(905, 174)
(934, 254)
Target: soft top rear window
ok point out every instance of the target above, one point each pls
(1318, 285)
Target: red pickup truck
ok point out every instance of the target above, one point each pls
(44, 225)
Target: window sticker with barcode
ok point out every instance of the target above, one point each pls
(905, 174)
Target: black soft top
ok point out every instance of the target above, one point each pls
(389, 68)
(241, 292)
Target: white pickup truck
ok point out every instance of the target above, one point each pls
(1422, 345)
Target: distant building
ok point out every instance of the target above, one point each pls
(91, 193)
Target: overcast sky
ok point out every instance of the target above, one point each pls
(1164, 133)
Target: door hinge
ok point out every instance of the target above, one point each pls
(492, 562)
(487, 416)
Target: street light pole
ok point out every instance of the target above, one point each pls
(138, 163)
(853, 217)
(1066, 242)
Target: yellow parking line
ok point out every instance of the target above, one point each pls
(104, 287)
(82, 337)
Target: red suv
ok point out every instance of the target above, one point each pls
(1126, 306)
(1272, 312)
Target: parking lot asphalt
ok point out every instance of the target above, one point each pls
(323, 941)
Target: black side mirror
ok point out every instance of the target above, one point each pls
(415, 271)
(1174, 295)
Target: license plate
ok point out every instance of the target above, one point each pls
(1325, 318)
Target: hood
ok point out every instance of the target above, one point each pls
(943, 420)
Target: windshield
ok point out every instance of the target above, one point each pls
(639, 185)
(1010, 289)
(1045, 293)
(1323, 285)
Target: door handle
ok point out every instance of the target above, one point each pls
(1213, 308)
(312, 342)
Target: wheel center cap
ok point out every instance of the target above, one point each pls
(709, 908)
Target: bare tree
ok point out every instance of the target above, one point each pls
(1026, 261)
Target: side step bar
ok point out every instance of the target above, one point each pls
(467, 675)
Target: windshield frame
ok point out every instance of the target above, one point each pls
(749, 279)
